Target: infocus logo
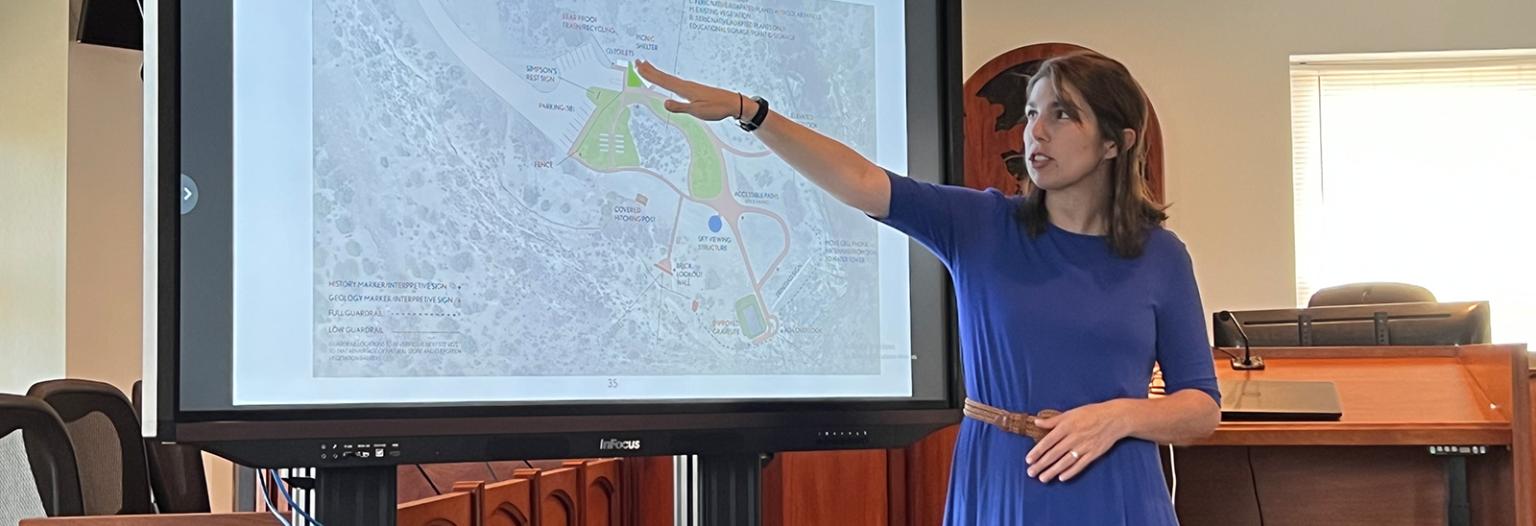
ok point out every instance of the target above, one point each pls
(608, 444)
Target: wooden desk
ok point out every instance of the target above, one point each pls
(1373, 466)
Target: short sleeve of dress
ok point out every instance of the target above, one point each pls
(942, 218)
(1183, 352)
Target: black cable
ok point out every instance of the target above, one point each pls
(429, 479)
(492, 471)
(530, 464)
(1254, 478)
(1228, 353)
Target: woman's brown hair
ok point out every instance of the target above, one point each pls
(1117, 100)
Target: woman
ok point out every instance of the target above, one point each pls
(1066, 296)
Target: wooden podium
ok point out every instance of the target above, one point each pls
(1386, 461)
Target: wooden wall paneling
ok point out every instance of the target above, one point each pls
(602, 502)
(410, 484)
(476, 491)
(772, 492)
(1358, 485)
(772, 501)
(926, 484)
(580, 493)
(1490, 485)
(508, 503)
(1214, 487)
(448, 509)
(1309, 485)
(556, 495)
(896, 497)
(832, 488)
(647, 491)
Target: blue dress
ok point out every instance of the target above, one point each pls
(1056, 322)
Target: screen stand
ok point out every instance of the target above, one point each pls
(356, 496)
(730, 489)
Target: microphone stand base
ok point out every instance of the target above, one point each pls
(1253, 363)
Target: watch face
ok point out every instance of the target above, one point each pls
(756, 120)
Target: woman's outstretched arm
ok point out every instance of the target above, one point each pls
(833, 166)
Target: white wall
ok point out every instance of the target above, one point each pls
(1217, 72)
(34, 57)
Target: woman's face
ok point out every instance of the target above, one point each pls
(1061, 141)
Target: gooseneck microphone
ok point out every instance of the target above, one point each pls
(1249, 362)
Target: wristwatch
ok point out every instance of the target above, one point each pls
(756, 121)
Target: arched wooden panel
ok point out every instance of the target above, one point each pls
(448, 509)
(994, 98)
(599, 482)
(556, 509)
(508, 503)
(556, 495)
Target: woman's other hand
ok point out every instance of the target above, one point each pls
(1076, 439)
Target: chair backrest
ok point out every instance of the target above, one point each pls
(1370, 293)
(176, 476)
(114, 475)
(45, 460)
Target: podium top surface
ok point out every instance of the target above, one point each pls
(1454, 395)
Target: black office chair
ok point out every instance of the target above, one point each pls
(114, 476)
(1370, 293)
(44, 452)
(175, 471)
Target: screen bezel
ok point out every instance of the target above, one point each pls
(491, 418)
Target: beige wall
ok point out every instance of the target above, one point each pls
(33, 97)
(104, 205)
(105, 170)
(1217, 72)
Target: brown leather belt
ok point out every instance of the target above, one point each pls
(1016, 423)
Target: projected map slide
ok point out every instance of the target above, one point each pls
(497, 192)
(481, 200)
